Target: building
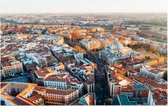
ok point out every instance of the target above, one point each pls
(87, 99)
(159, 97)
(20, 94)
(113, 83)
(155, 73)
(96, 29)
(10, 66)
(31, 94)
(58, 40)
(63, 52)
(57, 96)
(59, 67)
(115, 51)
(140, 90)
(38, 75)
(36, 99)
(49, 37)
(90, 83)
(76, 34)
(136, 94)
(41, 55)
(124, 100)
(142, 94)
(126, 88)
(62, 81)
(91, 44)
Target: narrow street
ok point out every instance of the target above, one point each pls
(101, 84)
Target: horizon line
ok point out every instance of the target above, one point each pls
(84, 13)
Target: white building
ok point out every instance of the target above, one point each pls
(11, 68)
(150, 100)
(59, 96)
(62, 81)
(151, 72)
(115, 51)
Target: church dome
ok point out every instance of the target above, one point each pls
(116, 45)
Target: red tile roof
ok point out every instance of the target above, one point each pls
(59, 92)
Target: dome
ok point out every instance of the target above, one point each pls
(116, 45)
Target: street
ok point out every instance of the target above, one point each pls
(101, 84)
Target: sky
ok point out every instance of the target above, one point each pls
(82, 6)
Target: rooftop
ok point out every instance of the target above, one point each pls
(124, 100)
(90, 79)
(140, 87)
(87, 99)
(62, 78)
(41, 73)
(34, 97)
(59, 91)
(21, 101)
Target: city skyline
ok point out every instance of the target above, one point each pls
(83, 52)
(83, 59)
(83, 6)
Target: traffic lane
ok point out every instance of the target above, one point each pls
(99, 81)
(100, 95)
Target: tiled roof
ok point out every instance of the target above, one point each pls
(63, 78)
(59, 92)
(34, 97)
(21, 101)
